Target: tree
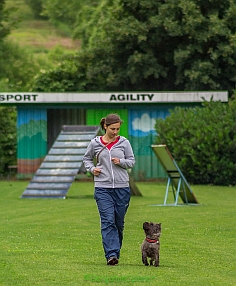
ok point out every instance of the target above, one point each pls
(163, 45)
(36, 7)
(204, 34)
(7, 116)
(64, 11)
(69, 76)
(4, 29)
(17, 67)
(158, 45)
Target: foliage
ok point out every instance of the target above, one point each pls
(92, 19)
(67, 77)
(36, 7)
(159, 45)
(17, 66)
(70, 75)
(4, 27)
(203, 141)
(64, 11)
(7, 138)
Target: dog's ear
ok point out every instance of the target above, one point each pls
(145, 225)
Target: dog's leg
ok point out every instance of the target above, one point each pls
(151, 261)
(144, 259)
(156, 259)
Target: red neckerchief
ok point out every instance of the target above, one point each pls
(110, 144)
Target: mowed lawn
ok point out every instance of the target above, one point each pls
(58, 242)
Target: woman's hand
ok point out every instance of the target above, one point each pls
(96, 171)
(116, 161)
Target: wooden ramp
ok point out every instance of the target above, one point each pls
(176, 180)
(63, 162)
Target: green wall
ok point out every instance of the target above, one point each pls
(94, 116)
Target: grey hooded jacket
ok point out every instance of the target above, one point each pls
(111, 176)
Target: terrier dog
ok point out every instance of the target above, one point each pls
(151, 245)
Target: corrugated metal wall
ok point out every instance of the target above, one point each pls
(139, 128)
(142, 135)
(31, 139)
(37, 130)
(59, 117)
(39, 127)
(94, 116)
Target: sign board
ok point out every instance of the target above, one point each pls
(111, 97)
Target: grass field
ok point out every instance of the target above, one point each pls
(58, 242)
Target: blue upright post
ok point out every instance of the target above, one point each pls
(167, 190)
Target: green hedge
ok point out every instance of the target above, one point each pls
(203, 141)
(7, 138)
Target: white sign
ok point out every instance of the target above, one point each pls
(112, 97)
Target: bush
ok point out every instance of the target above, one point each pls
(202, 141)
(8, 138)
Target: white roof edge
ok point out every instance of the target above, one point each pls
(112, 97)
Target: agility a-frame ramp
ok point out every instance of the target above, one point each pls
(176, 183)
(54, 177)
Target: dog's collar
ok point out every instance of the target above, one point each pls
(151, 240)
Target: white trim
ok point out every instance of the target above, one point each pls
(112, 97)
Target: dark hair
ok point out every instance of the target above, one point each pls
(110, 119)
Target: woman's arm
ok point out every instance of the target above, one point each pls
(129, 160)
(88, 158)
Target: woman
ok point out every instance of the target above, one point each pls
(114, 155)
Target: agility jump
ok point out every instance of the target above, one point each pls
(176, 180)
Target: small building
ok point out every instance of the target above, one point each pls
(40, 117)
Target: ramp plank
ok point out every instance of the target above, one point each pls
(63, 162)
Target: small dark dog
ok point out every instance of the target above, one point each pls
(151, 245)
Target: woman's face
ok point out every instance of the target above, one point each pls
(113, 129)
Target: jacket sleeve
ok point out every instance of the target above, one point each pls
(129, 160)
(88, 158)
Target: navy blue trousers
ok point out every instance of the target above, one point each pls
(112, 206)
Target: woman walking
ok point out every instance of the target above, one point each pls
(114, 155)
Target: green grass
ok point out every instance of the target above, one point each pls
(58, 242)
(38, 36)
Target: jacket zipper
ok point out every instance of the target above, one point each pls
(113, 179)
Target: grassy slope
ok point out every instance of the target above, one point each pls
(37, 35)
(57, 242)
